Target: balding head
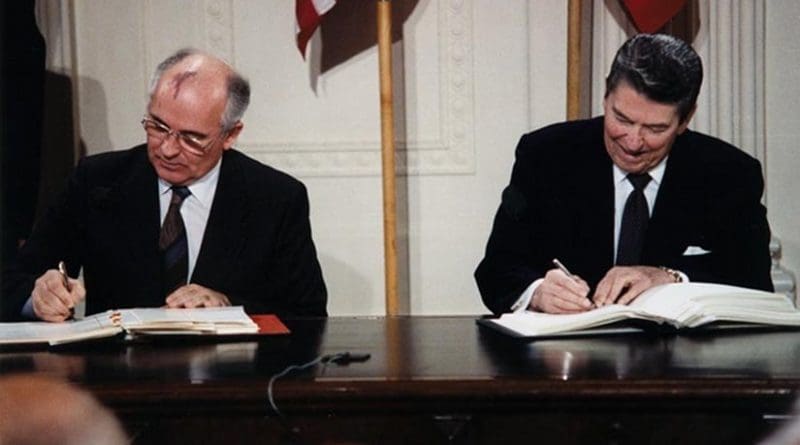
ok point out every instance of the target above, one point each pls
(198, 98)
(213, 76)
(39, 410)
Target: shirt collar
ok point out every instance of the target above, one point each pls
(656, 173)
(202, 189)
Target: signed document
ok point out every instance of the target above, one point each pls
(679, 305)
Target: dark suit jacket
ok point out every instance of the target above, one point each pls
(22, 63)
(560, 204)
(257, 247)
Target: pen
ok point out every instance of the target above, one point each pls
(62, 269)
(566, 271)
(563, 268)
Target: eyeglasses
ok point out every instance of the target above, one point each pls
(189, 142)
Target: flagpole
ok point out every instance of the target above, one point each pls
(574, 8)
(387, 155)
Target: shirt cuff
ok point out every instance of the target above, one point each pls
(524, 300)
(27, 310)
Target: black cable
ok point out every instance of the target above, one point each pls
(342, 358)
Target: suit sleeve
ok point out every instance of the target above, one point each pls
(305, 286)
(738, 231)
(289, 281)
(56, 236)
(510, 264)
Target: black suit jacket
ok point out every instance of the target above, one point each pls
(560, 204)
(257, 247)
(22, 63)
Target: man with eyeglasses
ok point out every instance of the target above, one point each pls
(184, 220)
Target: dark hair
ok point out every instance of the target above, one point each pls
(238, 88)
(663, 68)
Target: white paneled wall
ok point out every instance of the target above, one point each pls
(473, 76)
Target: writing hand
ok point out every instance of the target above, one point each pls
(560, 293)
(622, 284)
(54, 298)
(194, 295)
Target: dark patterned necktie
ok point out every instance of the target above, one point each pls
(173, 244)
(634, 222)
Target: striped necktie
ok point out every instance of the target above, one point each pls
(172, 243)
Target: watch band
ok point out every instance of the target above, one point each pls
(674, 274)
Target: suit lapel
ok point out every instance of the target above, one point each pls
(600, 212)
(225, 229)
(137, 220)
(593, 209)
(665, 238)
(132, 204)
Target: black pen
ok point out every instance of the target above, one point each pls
(569, 274)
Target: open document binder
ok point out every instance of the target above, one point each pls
(676, 306)
(140, 321)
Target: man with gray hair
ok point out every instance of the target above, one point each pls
(184, 220)
(628, 200)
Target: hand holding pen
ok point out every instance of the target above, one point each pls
(55, 295)
(569, 274)
(561, 292)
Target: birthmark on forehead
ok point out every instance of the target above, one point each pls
(177, 82)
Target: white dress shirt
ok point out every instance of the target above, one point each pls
(622, 188)
(194, 210)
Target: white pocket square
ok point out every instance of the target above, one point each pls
(695, 250)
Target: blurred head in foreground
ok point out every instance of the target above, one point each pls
(39, 410)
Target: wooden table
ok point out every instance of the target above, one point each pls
(438, 380)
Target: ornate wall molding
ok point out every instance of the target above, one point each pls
(212, 30)
(219, 28)
(450, 151)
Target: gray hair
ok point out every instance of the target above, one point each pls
(663, 68)
(238, 88)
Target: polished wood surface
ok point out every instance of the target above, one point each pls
(438, 380)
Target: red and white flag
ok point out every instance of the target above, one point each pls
(308, 14)
(650, 15)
